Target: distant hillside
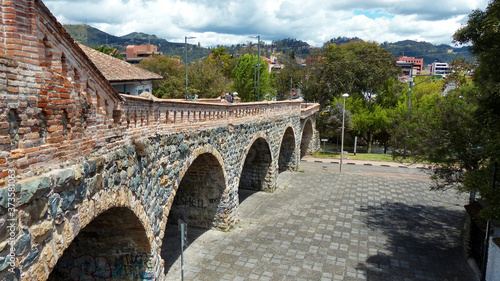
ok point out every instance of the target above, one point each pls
(429, 52)
(90, 36)
(93, 37)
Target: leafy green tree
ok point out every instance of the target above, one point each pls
(207, 80)
(245, 79)
(329, 121)
(368, 119)
(367, 73)
(358, 68)
(109, 51)
(290, 76)
(173, 72)
(222, 61)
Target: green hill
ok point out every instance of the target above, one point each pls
(429, 52)
(90, 36)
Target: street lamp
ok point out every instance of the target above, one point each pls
(342, 142)
(185, 61)
(258, 66)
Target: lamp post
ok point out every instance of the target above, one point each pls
(258, 66)
(185, 61)
(342, 142)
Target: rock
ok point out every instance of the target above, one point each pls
(32, 189)
(41, 231)
(54, 200)
(63, 179)
(23, 244)
(68, 197)
(32, 256)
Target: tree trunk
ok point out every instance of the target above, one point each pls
(369, 139)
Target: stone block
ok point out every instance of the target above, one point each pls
(23, 244)
(41, 231)
(32, 189)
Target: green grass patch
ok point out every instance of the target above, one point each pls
(361, 156)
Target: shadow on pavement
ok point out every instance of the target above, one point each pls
(422, 242)
(171, 247)
(243, 194)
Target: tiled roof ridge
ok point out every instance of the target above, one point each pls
(116, 70)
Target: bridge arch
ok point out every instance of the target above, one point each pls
(201, 189)
(113, 241)
(307, 135)
(257, 172)
(287, 157)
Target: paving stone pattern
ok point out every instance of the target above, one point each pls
(365, 223)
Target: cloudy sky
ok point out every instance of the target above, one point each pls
(227, 22)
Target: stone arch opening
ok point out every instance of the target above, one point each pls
(257, 173)
(196, 202)
(114, 246)
(199, 193)
(307, 134)
(286, 160)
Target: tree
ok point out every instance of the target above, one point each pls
(329, 121)
(108, 51)
(245, 79)
(367, 73)
(206, 80)
(358, 68)
(173, 72)
(222, 60)
(368, 119)
(290, 76)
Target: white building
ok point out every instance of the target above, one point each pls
(440, 68)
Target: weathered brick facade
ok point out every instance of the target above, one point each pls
(91, 177)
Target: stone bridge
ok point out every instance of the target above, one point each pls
(90, 178)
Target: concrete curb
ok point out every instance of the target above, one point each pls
(364, 163)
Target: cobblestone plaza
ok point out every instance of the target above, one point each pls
(366, 223)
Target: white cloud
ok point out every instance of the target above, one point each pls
(227, 22)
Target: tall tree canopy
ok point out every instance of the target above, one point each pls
(245, 79)
(173, 72)
(367, 73)
(357, 68)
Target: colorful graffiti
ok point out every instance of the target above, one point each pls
(110, 268)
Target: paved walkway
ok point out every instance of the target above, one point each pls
(366, 223)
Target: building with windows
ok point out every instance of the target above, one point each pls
(410, 62)
(136, 53)
(125, 77)
(440, 68)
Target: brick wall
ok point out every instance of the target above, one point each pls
(53, 101)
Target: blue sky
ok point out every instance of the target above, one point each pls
(373, 13)
(226, 22)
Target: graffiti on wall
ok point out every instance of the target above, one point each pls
(89, 267)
